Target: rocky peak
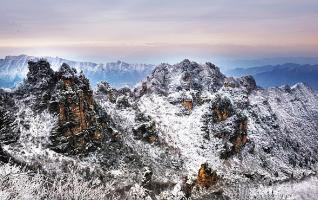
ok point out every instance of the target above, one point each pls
(196, 76)
(186, 83)
(79, 128)
(185, 62)
(39, 70)
(122, 97)
(39, 85)
(40, 75)
(183, 76)
(68, 95)
(248, 82)
(66, 72)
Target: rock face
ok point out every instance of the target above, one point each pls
(79, 129)
(103, 88)
(7, 133)
(145, 129)
(225, 122)
(122, 97)
(221, 108)
(206, 177)
(64, 93)
(189, 85)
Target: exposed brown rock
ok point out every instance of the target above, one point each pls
(239, 142)
(152, 139)
(187, 104)
(78, 126)
(237, 139)
(234, 133)
(144, 89)
(221, 109)
(240, 138)
(221, 115)
(206, 177)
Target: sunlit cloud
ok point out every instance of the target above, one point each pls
(145, 28)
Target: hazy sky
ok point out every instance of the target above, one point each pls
(159, 30)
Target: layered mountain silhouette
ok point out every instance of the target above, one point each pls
(276, 75)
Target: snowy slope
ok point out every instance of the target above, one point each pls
(181, 116)
(282, 124)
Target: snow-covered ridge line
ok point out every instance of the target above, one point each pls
(13, 70)
(17, 65)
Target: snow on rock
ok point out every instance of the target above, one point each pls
(32, 145)
(271, 132)
(159, 138)
(181, 132)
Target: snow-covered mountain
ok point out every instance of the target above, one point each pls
(186, 131)
(14, 68)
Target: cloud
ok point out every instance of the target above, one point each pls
(121, 23)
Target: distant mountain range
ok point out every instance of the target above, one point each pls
(276, 75)
(247, 63)
(13, 70)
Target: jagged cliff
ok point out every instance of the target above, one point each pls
(67, 95)
(185, 131)
(75, 124)
(79, 127)
(201, 116)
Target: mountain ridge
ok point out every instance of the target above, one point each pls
(187, 131)
(14, 68)
(276, 75)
